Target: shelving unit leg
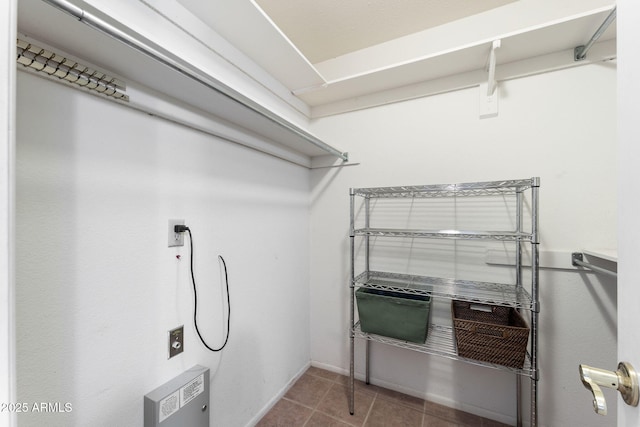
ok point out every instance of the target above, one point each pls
(351, 378)
(534, 402)
(367, 354)
(535, 281)
(519, 228)
(367, 224)
(352, 354)
(518, 401)
(351, 305)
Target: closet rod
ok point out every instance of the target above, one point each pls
(179, 66)
(577, 259)
(580, 52)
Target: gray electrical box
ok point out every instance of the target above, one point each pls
(181, 402)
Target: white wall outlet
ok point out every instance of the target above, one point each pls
(175, 239)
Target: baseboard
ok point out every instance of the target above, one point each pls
(278, 396)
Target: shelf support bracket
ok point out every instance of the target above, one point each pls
(489, 92)
(580, 52)
(491, 68)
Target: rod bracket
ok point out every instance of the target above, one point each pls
(575, 257)
(577, 260)
(578, 53)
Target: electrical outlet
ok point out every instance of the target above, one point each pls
(175, 239)
(176, 341)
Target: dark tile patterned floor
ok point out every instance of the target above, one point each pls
(321, 399)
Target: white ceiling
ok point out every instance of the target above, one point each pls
(326, 29)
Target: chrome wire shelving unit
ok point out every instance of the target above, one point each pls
(440, 338)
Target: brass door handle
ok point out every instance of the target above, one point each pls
(625, 380)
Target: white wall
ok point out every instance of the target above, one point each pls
(560, 126)
(7, 184)
(97, 287)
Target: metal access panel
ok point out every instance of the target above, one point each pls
(181, 402)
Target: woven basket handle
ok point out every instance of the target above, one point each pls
(490, 332)
(480, 307)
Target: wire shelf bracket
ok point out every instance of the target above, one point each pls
(577, 260)
(580, 52)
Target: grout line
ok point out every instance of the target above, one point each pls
(326, 393)
(366, 418)
(333, 417)
(334, 380)
(308, 418)
(298, 403)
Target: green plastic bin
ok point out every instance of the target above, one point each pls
(394, 314)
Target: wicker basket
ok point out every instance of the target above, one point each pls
(489, 333)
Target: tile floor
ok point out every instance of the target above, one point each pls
(321, 399)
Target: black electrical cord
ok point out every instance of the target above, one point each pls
(180, 229)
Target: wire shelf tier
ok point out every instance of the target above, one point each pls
(449, 190)
(445, 234)
(464, 290)
(440, 342)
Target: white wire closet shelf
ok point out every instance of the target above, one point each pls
(464, 290)
(445, 234)
(447, 190)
